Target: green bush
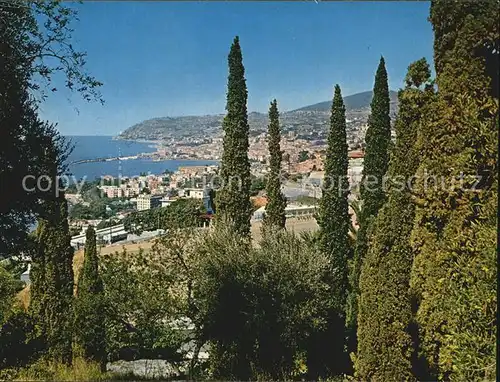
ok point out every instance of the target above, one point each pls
(259, 306)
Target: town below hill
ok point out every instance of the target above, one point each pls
(309, 122)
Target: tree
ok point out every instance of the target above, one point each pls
(286, 158)
(52, 280)
(183, 213)
(258, 184)
(34, 46)
(233, 199)
(259, 306)
(303, 156)
(385, 332)
(275, 208)
(42, 34)
(454, 274)
(333, 216)
(333, 240)
(146, 301)
(89, 305)
(376, 160)
(8, 288)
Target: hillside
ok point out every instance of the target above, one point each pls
(352, 102)
(302, 121)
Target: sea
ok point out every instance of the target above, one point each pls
(91, 147)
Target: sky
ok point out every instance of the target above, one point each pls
(161, 59)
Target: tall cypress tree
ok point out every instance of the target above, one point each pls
(233, 199)
(52, 287)
(454, 275)
(328, 355)
(333, 217)
(89, 305)
(385, 347)
(376, 160)
(275, 208)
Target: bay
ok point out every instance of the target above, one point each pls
(91, 147)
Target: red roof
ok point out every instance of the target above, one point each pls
(356, 154)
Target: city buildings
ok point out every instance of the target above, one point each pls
(147, 202)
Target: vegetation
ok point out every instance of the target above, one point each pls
(303, 156)
(141, 305)
(386, 330)
(454, 273)
(258, 184)
(89, 305)
(253, 301)
(52, 282)
(275, 208)
(422, 281)
(233, 199)
(182, 213)
(333, 220)
(30, 32)
(375, 163)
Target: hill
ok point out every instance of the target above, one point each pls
(309, 121)
(352, 102)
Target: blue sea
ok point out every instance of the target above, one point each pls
(90, 147)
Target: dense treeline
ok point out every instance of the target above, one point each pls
(410, 295)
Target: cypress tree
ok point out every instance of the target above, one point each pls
(275, 208)
(52, 286)
(233, 199)
(376, 160)
(89, 304)
(327, 356)
(384, 332)
(333, 216)
(454, 275)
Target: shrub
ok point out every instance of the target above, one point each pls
(260, 306)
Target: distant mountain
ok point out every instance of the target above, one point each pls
(306, 121)
(352, 102)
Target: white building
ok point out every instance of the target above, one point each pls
(193, 193)
(146, 202)
(291, 211)
(166, 201)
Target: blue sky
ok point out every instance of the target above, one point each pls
(170, 58)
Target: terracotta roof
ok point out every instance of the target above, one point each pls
(356, 154)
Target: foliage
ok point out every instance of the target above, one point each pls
(107, 223)
(8, 288)
(260, 307)
(454, 275)
(386, 350)
(233, 199)
(23, 137)
(333, 216)
(89, 305)
(303, 156)
(146, 295)
(375, 163)
(34, 46)
(333, 220)
(52, 281)
(18, 346)
(43, 38)
(183, 213)
(275, 208)
(307, 200)
(95, 210)
(258, 184)
(80, 370)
